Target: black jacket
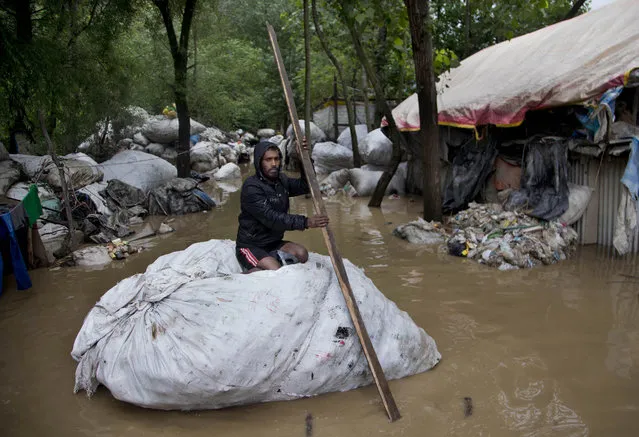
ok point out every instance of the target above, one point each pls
(264, 213)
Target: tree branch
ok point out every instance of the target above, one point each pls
(574, 10)
(189, 11)
(163, 6)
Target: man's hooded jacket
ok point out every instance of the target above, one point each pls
(264, 213)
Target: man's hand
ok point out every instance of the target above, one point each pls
(304, 145)
(317, 221)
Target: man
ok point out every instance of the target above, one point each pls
(264, 214)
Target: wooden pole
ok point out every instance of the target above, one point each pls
(335, 113)
(68, 242)
(329, 239)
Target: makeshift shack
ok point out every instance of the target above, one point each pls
(538, 120)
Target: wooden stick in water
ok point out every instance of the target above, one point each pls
(329, 238)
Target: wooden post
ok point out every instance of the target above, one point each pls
(68, 245)
(635, 106)
(329, 238)
(335, 108)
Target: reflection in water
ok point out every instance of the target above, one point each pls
(539, 351)
(623, 338)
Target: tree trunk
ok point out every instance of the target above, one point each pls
(68, 244)
(467, 31)
(307, 77)
(574, 10)
(427, 97)
(180, 54)
(357, 162)
(24, 21)
(396, 137)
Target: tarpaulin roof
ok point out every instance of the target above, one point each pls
(566, 63)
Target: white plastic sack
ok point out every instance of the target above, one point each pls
(329, 157)
(376, 148)
(317, 135)
(361, 130)
(228, 171)
(35, 167)
(366, 181)
(419, 231)
(265, 133)
(21, 189)
(192, 332)
(140, 139)
(52, 236)
(213, 134)
(578, 199)
(9, 175)
(625, 222)
(93, 191)
(93, 256)
(156, 149)
(227, 152)
(79, 169)
(165, 130)
(170, 154)
(139, 169)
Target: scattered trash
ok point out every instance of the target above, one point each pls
(420, 232)
(507, 240)
(120, 249)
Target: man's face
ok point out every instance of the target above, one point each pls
(271, 164)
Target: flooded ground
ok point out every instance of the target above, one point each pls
(546, 352)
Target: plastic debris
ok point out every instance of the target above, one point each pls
(507, 240)
(120, 249)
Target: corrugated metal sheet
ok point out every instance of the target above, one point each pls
(606, 181)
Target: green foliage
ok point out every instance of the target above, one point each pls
(88, 59)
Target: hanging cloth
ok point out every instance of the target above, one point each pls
(7, 233)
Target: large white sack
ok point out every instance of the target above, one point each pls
(140, 169)
(265, 133)
(52, 236)
(20, 190)
(140, 139)
(79, 169)
(365, 182)
(578, 199)
(329, 157)
(317, 135)
(156, 149)
(228, 171)
(213, 134)
(204, 151)
(165, 130)
(376, 148)
(93, 191)
(35, 167)
(361, 130)
(192, 332)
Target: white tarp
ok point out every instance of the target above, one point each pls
(566, 63)
(192, 332)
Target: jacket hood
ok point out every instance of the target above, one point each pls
(258, 154)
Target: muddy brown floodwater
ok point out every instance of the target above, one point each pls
(547, 352)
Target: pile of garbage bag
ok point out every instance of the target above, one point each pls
(344, 138)
(361, 182)
(509, 239)
(329, 157)
(490, 235)
(192, 333)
